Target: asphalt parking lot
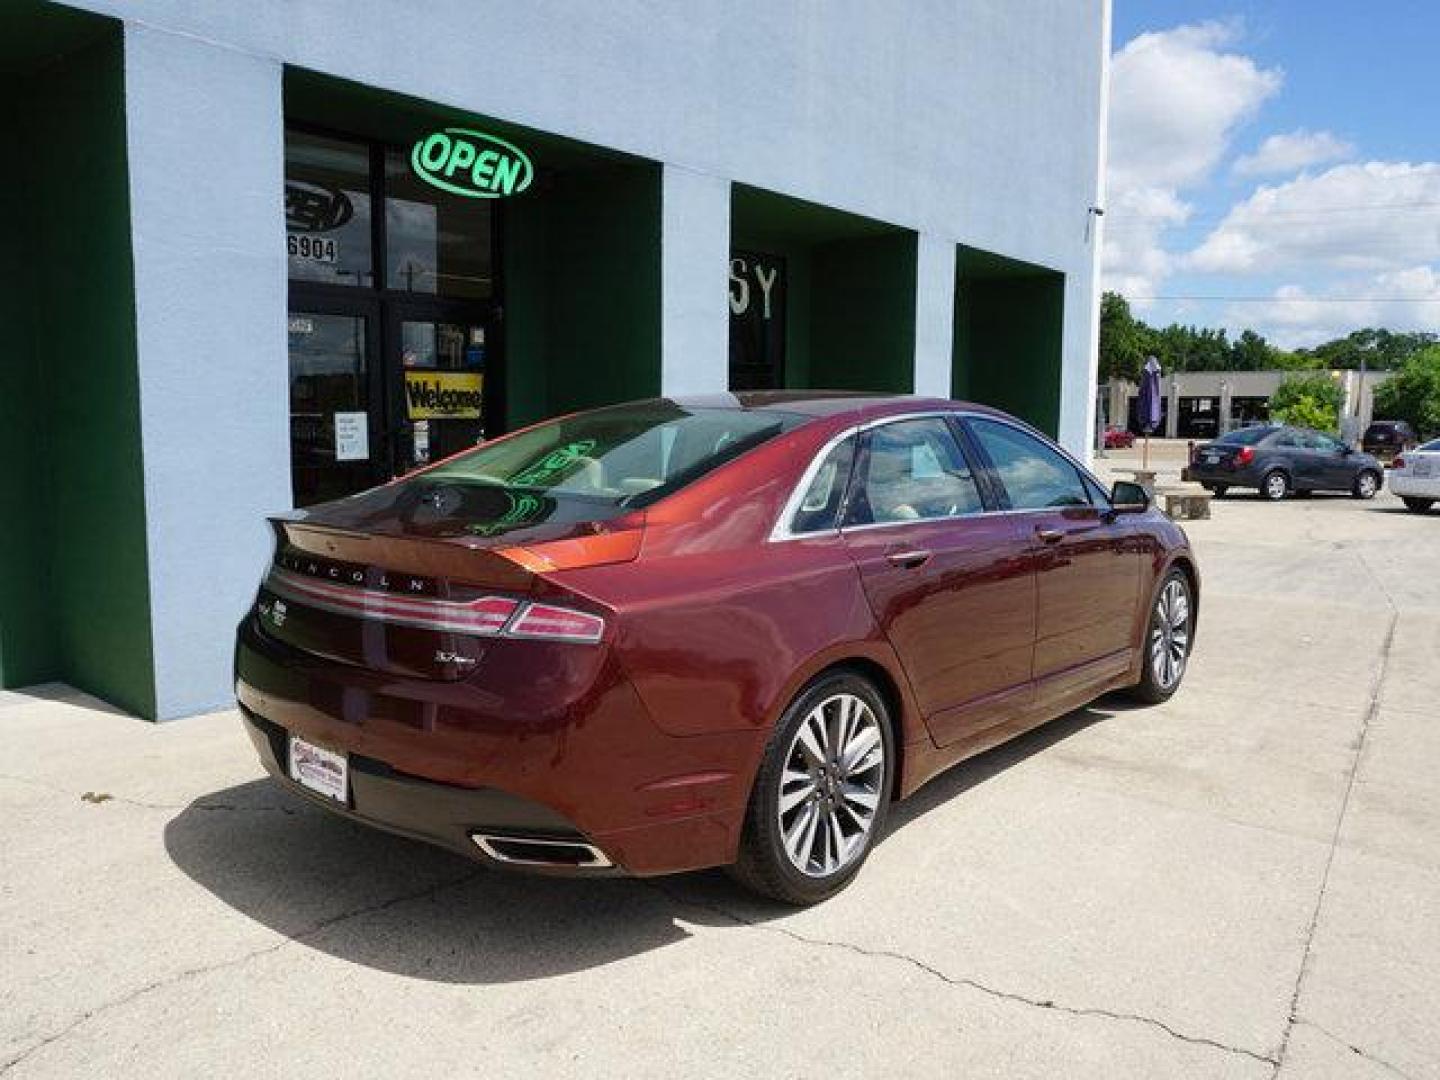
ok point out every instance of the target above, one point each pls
(1244, 882)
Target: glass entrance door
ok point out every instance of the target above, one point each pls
(439, 392)
(332, 434)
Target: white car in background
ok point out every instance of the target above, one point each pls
(1415, 476)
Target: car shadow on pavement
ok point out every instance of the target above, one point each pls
(411, 909)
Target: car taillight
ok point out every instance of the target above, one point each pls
(1398, 462)
(1245, 455)
(484, 617)
(556, 624)
(488, 616)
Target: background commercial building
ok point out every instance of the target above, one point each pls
(1204, 404)
(249, 266)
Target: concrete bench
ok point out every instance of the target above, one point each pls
(1186, 505)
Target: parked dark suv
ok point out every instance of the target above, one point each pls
(1386, 438)
(1280, 460)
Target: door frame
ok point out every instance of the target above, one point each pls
(396, 310)
(312, 298)
(384, 308)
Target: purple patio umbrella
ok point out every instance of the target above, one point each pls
(1150, 403)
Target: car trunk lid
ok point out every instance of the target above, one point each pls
(422, 586)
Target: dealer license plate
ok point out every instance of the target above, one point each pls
(1211, 459)
(323, 771)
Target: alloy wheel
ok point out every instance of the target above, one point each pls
(1276, 485)
(1366, 485)
(1170, 634)
(830, 785)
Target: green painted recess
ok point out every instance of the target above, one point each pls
(582, 291)
(1009, 336)
(851, 284)
(74, 595)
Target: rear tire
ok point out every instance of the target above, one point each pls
(1165, 652)
(830, 763)
(1275, 485)
(1366, 485)
(1419, 506)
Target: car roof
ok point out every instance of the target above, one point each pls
(825, 404)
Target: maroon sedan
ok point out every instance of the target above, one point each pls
(708, 632)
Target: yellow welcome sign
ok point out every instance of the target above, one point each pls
(443, 395)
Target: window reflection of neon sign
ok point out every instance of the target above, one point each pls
(471, 163)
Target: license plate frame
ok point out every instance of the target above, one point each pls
(319, 769)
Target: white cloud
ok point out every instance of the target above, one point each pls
(1293, 151)
(1176, 98)
(1379, 216)
(1295, 316)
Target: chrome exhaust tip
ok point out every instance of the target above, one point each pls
(542, 852)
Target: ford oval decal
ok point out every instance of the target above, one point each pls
(471, 163)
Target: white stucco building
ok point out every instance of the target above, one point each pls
(245, 281)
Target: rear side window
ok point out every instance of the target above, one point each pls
(820, 506)
(1035, 475)
(1245, 436)
(626, 455)
(912, 470)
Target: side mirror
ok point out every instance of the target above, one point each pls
(1129, 498)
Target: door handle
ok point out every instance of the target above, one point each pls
(1049, 536)
(908, 559)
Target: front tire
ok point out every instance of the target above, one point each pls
(1275, 486)
(1366, 485)
(1168, 636)
(1419, 506)
(822, 792)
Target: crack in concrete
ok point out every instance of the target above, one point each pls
(235, 961)
(1377, 688)
(1357, 1051)
(99, 798)
(968, 983)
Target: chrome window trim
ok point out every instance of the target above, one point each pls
(782, 532)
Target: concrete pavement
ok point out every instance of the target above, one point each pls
(1243, 882)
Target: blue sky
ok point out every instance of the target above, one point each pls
(1287, 151)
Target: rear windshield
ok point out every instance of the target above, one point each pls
(1431, 447)
(1385, 427)
(1246, 436)
(628, 455)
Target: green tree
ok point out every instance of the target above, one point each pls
(1413, 393)
(1311, 401)
(1122, 346)
(1378, 349)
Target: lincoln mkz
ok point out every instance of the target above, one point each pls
(688, 633)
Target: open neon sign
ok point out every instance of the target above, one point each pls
(471, 163)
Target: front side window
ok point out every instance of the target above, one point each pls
(1035, 475)
(913, 470)
(629, 455)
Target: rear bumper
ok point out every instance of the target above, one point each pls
(521, 752)
(1411, 487)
